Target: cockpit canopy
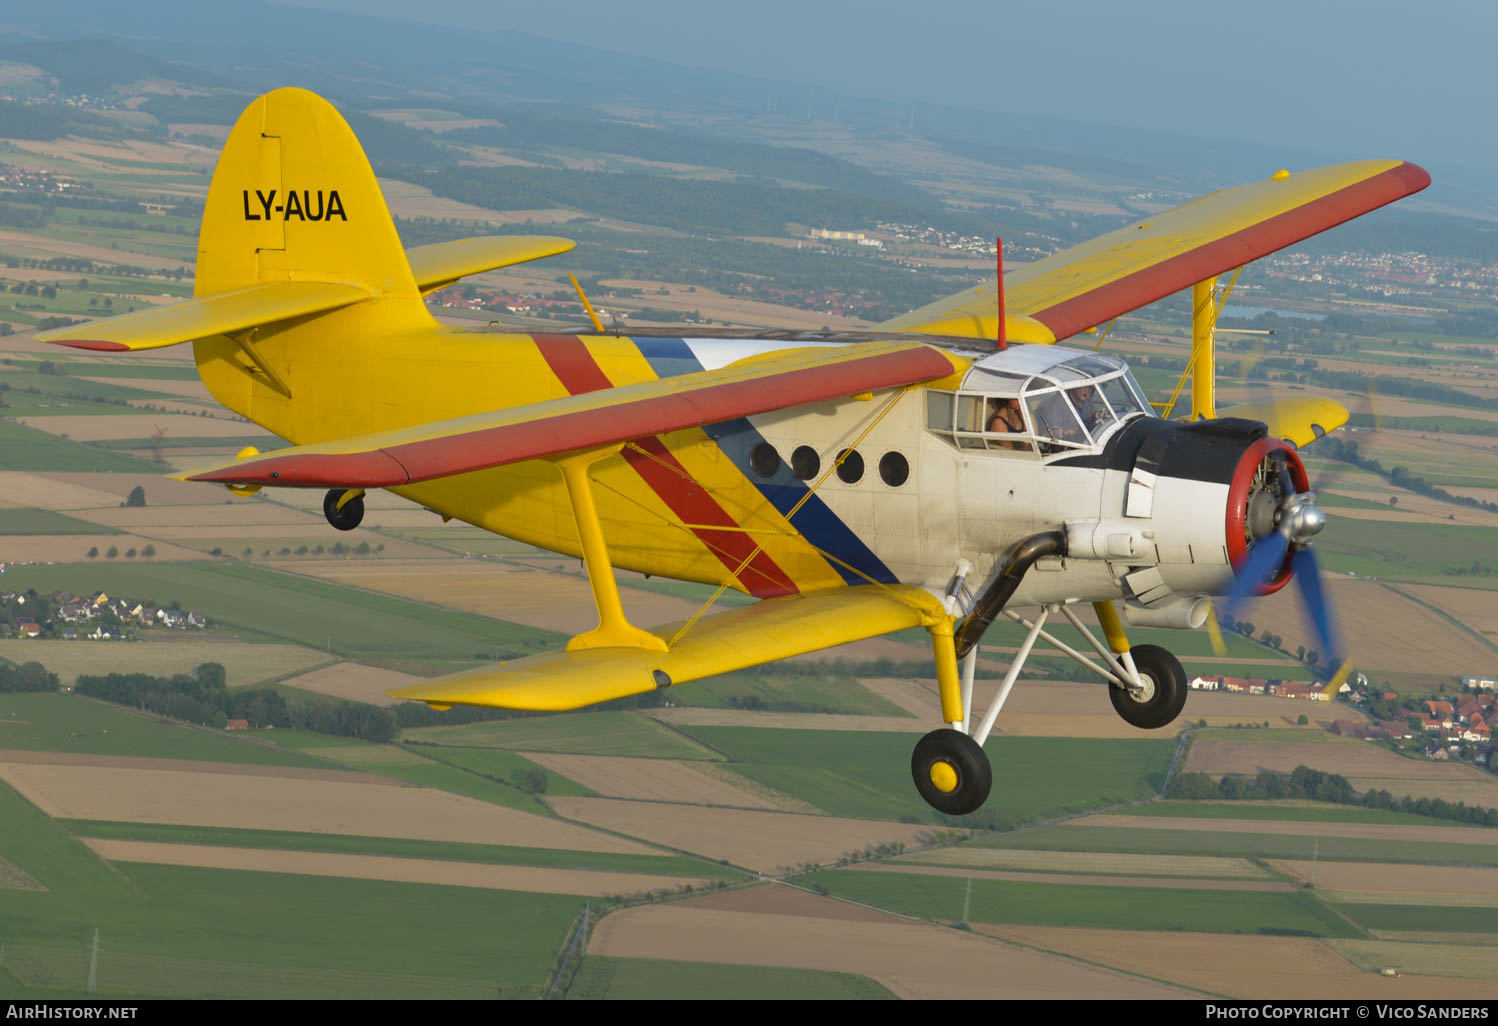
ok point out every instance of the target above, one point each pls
(1045, 400)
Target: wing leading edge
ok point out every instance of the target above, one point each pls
(590, 419)
(1092, 283)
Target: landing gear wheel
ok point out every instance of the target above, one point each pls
(951, 772)
(1163, 694)
(347, 518)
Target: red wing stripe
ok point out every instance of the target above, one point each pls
(460, 453)
(1151, 283)
(578, 371)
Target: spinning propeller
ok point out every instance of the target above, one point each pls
(1280, 521)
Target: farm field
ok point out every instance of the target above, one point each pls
(1426, 958)
(536, 879)
(644, 979)
(1241, 966)
(376, 806)
(1215, 910)
(1396, 884)
(267, 603)
(1477, 607)
(867, 774)
(595, 733)
(1174, 866)
(776, 926)
(762, 841)
(164, 652)
(647, 779)
(1365, 766)
(353, 682)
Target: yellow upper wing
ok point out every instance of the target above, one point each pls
(1096, 281)
(589, 420)
(439, 265)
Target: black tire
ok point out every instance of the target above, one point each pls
(964, 758)
(1165, 689)
(347, 518)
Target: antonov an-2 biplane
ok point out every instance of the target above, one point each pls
(935, 473)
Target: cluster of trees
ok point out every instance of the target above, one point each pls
(1400, 476)
(27, 677)
(1306, 783)
(203, 697)
(113, 552)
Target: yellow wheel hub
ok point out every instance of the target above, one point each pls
(944, 777)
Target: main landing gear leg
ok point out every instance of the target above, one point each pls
(951, 772)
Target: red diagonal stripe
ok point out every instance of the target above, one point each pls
(577, 370)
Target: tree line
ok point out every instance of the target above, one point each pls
(1315, 785)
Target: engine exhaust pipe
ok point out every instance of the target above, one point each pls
(991, 603)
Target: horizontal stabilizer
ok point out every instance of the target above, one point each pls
(588, 420)
(1299, 421)
(439, 265)
(1094, 282)
(218, 314)
(773, 629)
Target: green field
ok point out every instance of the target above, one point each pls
(272, 604)
(1316, 813)
(1435, 919)
(281, 935)
(1117, 908)
(498, 764)
(1243, 845)
(821, 692)
(44, 521)
(400, 847)
(1408, 552)
(74, 724)
(645, 979)
(24, 448)
(866, 775)
(614, 732)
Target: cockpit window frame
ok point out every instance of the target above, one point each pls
(950, 420)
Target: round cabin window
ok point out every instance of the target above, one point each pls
(894, 469)
(850, 469)
(764, 459)
(805, 463)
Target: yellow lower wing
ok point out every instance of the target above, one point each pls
(1298, 421)
(773, 629)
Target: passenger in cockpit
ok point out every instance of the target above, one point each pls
(1007, 419)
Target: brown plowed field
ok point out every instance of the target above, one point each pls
(378, 867)
(759, 926)
(651, 779)
(355, 682)
(1237, 966)
(1399, 884)
(376, 807)
(763, 841)
(1389, 632)
(55, 491)
(1372, 831)
(1365, 765)
(73, 548)
(1475, 607)
(504, 591)
(211, 512)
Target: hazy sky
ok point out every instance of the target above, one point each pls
(1379, 77)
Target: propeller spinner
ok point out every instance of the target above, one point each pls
(1279, 516)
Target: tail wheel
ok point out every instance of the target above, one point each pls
(347, 518)
(1162, 692)
(951, 772)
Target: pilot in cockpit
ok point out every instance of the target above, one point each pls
(1089, 405)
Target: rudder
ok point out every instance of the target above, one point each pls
(294, 199)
